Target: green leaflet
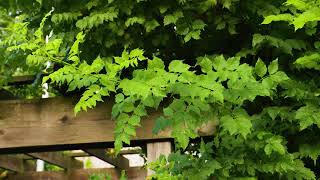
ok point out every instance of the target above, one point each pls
(135, 88)
(260, 68)
(172, 18)
(308, 115)
(299, 4)
(274, 145)
(309, 61)
(178, 66)
(287, 45)
(312, 151)
(97, 18)
(280, 17)
(62, 17)
(273, 67)
(238, 123)
(134, 20)
(39, 32)
(74, 51)
(151, 25)
(90, 98)
(309, 12)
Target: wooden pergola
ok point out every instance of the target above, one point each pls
(44, 128)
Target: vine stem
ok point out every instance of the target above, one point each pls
(58, 60)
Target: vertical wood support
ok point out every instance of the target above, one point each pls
(155, 149)
(16, 163)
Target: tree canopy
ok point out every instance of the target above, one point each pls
(250, 67)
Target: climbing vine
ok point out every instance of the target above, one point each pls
(250, 68)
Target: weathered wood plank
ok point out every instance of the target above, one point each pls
(154, 150)
(16, 163)
(120, 162)
(23, 79)
(50, 122)
(59, 159)
(80, 174)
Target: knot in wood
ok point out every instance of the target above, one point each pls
(64, 119)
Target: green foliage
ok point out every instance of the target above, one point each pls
(67, 16)
(308, 115)
(99, 176)
(96, 18)
(301, 13)
(238, 124)
(249, 67)
(287, 46)
(51, 167)
(309, 61)
(123, 175)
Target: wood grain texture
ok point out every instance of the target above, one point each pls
(59, 159)
(79, 174)
(48, 122)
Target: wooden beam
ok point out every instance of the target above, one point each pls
(120, 162)
(154, 150)
(80, 174)
(51, 122)
(26, 157)
(78, 154)
(16, 163)
(23, 79)
(58, 159)
(130, 150)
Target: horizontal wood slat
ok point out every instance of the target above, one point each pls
(22, 79)
(50, 122)
(130, 150)
(59, 159)
(25, 79)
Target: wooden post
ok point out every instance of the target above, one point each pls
(155, 149)
(16, 163)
